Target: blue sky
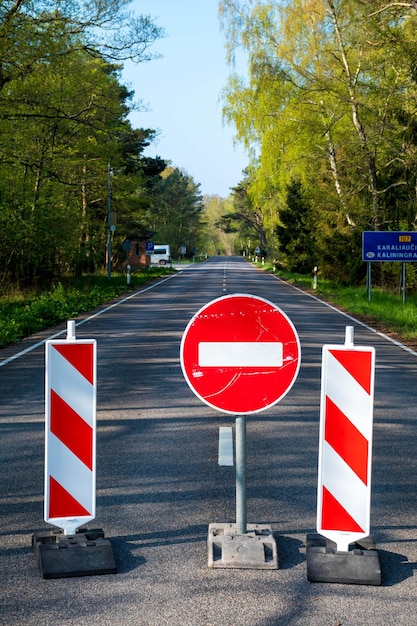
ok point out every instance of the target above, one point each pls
(182, 93)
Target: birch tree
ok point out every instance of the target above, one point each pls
(328, 101)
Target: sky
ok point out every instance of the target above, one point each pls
(182, 94)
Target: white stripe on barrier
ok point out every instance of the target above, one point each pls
(71, 473)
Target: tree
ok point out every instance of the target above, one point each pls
(245, 218)
(63, 118)
(33, 33)
(327, 102)
(59, 130)
(214, 239)
(296, 232)
(177, 210)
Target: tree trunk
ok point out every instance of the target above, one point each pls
(357, 122)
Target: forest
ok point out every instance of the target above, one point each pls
(327, 112)
(68, 151)
(325, 107)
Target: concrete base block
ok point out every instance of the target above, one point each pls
(86, 553)
(256, 549)
(359, 566)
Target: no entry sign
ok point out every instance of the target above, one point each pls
(240, 354)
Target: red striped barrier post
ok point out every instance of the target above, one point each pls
(70, 445)
(345, 453)
(70, 464)
(345, 458)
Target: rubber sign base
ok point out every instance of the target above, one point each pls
(359, 566)
(256, 549)
(86, 553)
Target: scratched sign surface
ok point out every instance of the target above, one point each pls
(240, 354)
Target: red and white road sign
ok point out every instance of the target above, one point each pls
(345, 448)
(240, 354)
(70, 433)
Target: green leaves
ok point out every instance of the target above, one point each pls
(328, 98)
(177, 210)
(63, 118)
(295, 230)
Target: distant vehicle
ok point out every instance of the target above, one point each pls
(161, 255)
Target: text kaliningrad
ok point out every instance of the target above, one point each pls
(397, 251)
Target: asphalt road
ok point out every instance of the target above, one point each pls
(159, 484)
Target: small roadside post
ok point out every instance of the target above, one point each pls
(240, 354)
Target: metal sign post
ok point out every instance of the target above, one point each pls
(369, 280)
(402, 282)
(241, 500)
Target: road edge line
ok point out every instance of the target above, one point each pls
(83, 321)
(350, 317)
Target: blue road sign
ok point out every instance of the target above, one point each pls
(389, 246)
(150, 246)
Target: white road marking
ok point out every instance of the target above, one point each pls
(83, 321)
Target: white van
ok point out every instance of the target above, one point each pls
(161, 255)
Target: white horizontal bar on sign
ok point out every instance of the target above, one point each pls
(225, 445)
(240, 354)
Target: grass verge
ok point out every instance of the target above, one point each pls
(22, 315)
(385, 311)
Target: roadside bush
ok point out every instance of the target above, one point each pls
(23, 315)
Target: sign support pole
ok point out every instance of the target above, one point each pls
(368, 280)
(241, 500)
(402, 282)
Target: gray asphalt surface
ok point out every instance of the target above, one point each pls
(159, 485)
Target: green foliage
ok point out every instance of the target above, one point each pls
(58, 131)
(296, 231)
(176, 210)
(329, 101)
(385, 311)
(214, 238)
(35, 32)
(22, 315)
(68, 152)
(245, 218)
(63, 118)
(345, 246)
